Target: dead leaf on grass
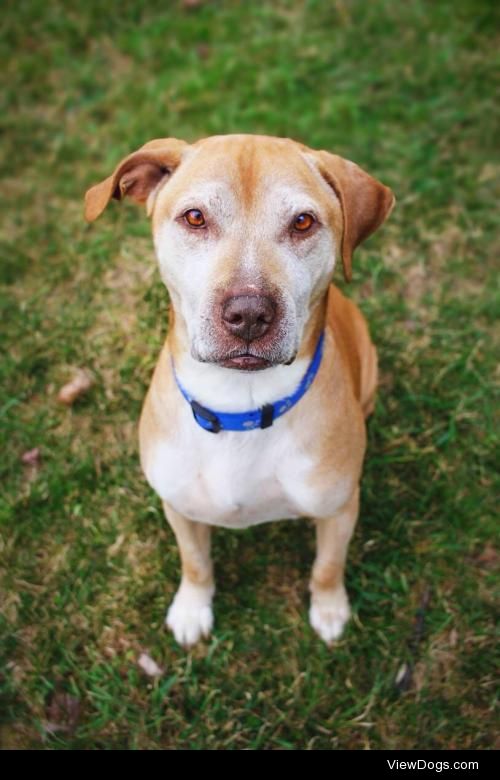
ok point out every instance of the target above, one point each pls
(31, 457)
(63, 714)
(31, 462)
(488, 557)
(149, 666)
(80, 384)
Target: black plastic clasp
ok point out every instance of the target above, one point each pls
(207, 415)
(267, 416)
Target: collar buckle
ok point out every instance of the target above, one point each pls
(207, 416)
(267, 416)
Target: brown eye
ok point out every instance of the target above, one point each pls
(303, 223)
(194, 218)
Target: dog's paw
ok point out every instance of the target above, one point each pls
(329, 613)
(190, 615)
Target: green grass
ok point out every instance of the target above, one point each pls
(88, 564)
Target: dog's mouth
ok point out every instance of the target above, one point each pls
(246, 362)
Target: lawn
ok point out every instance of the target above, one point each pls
(88, 564)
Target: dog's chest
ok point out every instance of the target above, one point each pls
(237, 479)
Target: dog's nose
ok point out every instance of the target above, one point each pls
(248, 316)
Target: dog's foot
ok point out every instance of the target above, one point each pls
(329, 613)
(190, 615)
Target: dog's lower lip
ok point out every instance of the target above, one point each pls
(246, 362)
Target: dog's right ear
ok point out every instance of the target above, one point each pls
(137, 175)
(365, 202)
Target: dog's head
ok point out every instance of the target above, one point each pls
(247, 230)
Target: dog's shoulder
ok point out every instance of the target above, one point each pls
(158, 416)
(351, 335)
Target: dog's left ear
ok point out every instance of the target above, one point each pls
(365, 202)
(136, 175)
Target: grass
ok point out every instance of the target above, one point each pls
(88, 564)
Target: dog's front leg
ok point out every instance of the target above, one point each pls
(190, 614)
(329, 610)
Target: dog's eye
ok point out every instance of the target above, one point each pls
(303, 223)
(194, 218)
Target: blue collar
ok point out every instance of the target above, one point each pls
(257, 418)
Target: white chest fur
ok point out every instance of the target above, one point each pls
(238, 479)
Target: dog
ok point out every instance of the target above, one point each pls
(256, 410)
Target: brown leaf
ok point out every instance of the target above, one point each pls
(403, 677)
(31, 457)
(31, 462)
(63, 713)
(488, 557)
(203, 51)
(366, 289)
(149, 666)
(81, 383)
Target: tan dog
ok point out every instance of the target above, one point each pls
(247, 231)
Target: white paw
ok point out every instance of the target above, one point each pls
(190, 615)
(329, 613)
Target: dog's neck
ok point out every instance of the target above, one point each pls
(230, 390)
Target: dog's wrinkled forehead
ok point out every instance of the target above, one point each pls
(241, 174)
